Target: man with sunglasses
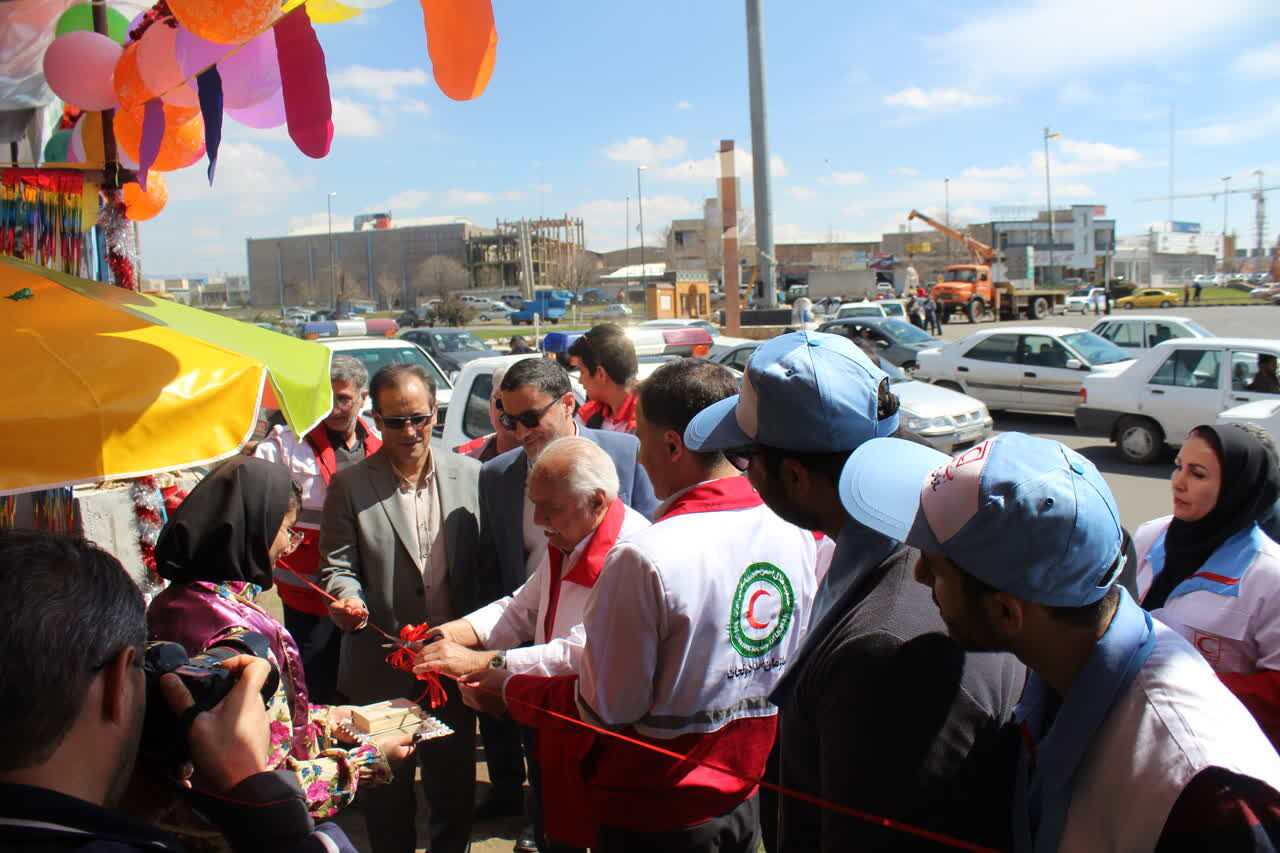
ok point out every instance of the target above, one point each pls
(399, 546)
(880, 711)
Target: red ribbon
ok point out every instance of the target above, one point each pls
(402, 659)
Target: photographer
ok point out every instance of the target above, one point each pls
(72, 702)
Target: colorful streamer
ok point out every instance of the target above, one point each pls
(209, 84)
(41, 218)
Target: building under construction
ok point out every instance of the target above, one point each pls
(527, 254)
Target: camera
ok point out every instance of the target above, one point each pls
(164, 737)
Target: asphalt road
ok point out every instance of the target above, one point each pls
(1142, 491)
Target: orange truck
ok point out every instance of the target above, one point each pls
(969, 289)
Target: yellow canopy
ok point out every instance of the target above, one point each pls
(104, 383)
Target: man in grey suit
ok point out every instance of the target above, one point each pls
(398, 547)
(536, 402)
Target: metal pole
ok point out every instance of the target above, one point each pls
(626, 282)
(731, 276)
(280, 274)
(640, 210)
(1048, 198)
(333, 263)
(760, 179)
(1226, 196)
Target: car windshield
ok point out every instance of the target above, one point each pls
(1198, 329)
(376, 358)
(1095, 349)
(961, 275)
(905, 332)
(860, 311)
(458, 342)
(1080, 291)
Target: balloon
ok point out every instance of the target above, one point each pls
(140, 204)
(269, 113)
(225, 21)
(80, 17)
(55, 150)
(250, 75)
(131, 91)
(330, 11)
(78, 67)
(183, 142)
(159, 67)
(462, 42)
(86, 140)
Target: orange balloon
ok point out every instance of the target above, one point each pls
(225, 21)
(127, 80)
(463, 43)
(183, 141)
(140, 204)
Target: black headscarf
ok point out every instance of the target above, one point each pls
(1250, 484)
(225, 527)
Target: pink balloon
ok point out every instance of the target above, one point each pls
(269, 113)
(249, 76)
(158, 66)
(78, 67)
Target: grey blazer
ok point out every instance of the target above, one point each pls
(366, 552)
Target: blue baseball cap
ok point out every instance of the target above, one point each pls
(1026, 515)
(808, 392)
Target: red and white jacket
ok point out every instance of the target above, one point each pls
(688, 629)
(597, 415)
(311, 463)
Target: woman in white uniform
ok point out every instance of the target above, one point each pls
(1209, 571)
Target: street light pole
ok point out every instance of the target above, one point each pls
(640, 202)
(1226, 196)
(760, 166)
(333, 262)
(1048, 195)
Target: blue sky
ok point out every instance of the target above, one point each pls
(871, 106)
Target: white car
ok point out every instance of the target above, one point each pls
(1086, 299)
(375, 353)
(617, 312)
(1171, 388)
(1028, 368)
(1145, 331)
(1263, 413)
(867, 308)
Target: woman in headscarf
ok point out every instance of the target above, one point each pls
(1209, 571)
(217, 550)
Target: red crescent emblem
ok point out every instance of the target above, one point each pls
(751, 607)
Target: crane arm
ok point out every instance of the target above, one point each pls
(981, 251)
(1242, 191)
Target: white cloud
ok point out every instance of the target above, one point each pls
(412, 105)
(250, 180)
(1076, 157)
(906, 171)
(844, 179)
(708, 168)
(940, 100)
(684, 105)
(1000, 173)
(1263, 123)
(353, 119)
(802, 193)
(1260, 63)
(383, 84)
(642, 150)
(403, 201)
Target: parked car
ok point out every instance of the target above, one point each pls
(1143, 332)
(1085, 299)
(1150, 298)
(1030, 368)
(736, 357)
(450, 347)
(1267, 291)
(1172, 387)
(900, 342)
(720, 343)
(494, 315)
(375, 353)
(617, 311)
(947, 419)
(1262, 413)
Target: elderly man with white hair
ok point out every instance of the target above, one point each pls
(574, 490)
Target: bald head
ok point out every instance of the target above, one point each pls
(572, 486)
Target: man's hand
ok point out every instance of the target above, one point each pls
(229, 742)
(459, 630)
(349, 614)
(396, 746)
(482, 691)
(451, 658)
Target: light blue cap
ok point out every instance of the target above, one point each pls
(1026, 515)
(807, 392)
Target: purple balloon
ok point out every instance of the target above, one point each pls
(249, 76)
(269, 113)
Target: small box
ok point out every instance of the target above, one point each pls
(387, 716)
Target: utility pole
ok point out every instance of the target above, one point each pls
(1226, 196)
(1049, 196)
(333, 263)
(1260, 216)
(946, 216)
(640, 211)
(760, 180)
(626, 285)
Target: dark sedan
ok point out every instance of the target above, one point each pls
(450, 347)
(899, 340)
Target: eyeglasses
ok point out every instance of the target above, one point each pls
(530, 419)
(295, 540)
(394, 422)
(740, 458)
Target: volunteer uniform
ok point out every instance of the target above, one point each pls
(690, 626)
(483, 448)
(312, 462)
(1230, 612)
(1142, 722)
(598, 415)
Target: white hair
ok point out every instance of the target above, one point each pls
(499, 373)
(580, 466)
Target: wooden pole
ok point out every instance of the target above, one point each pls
(729, 238)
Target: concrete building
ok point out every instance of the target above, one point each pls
(1083, 241)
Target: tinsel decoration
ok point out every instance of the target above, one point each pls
(149, 516)
(157, 14)
(117, 236)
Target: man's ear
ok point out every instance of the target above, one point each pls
(674, 443)
(118, 686)
(796, 479)
(1006, 613)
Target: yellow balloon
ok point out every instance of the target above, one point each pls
(91, 138)
(330, 12)
(88, 206)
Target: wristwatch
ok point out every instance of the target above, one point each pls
(498, 661)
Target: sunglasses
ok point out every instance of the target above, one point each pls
(529, 419)
(740, 458)
(295, 540)
(394, 422)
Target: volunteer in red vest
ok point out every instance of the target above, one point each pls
(607, 366)
(342, 439)
(501, 439)
(1128, 739)
(1210, 573)
(689, 627)
(574, 489)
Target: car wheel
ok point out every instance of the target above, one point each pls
(1128, 306)
(1139, 440)
(1166, 304)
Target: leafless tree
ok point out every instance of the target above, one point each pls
(437, 277)
(388, 290)
(581, 271)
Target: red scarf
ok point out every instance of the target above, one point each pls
(715, 496)
(584, 572)
(318, 438)
(625, 415)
